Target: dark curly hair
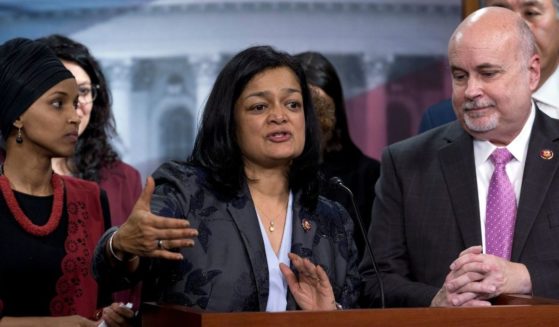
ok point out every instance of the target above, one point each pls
(216, 147)
(93, 150)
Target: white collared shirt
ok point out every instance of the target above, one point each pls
(515, 168)
(277, 295)
(547, 96)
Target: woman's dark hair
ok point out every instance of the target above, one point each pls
(216, 147)
(321, 73)
(93, 150)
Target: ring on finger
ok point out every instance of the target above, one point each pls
(160, 244)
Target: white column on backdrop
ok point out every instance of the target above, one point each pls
(206, 68)
(118, 74)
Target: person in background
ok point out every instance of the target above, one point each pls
(227, 225)
(95, 158)
(436, 115)
(340, 156)
(464, 212)
(542, 17)
(49, 224)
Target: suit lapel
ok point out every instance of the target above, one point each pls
(243, 213)
(538, 174)
(303, 237)
(458, 167)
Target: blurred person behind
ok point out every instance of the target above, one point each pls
(95, 158)
(340, 156)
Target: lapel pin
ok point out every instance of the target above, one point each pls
(546, 154)
(306, 224)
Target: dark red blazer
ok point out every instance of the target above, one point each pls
(123, 186)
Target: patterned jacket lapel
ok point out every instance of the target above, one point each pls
(243, 213)
(304, 230)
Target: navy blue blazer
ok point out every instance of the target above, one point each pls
(227, 269)
(437, 115)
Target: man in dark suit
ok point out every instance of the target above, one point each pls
(542, 16)
(430, 229)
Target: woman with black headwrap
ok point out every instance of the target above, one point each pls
(94, 158)
(49, 224)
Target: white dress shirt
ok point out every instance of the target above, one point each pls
(515, 168)
(277, 295)
(547, 96)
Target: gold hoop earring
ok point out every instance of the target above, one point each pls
(19, 139)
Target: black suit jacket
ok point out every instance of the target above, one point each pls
(427, 211)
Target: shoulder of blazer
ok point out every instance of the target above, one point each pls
(545, 126)
(428, 143)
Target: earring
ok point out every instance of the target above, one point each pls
(19, 139)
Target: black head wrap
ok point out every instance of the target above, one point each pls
(27, 70)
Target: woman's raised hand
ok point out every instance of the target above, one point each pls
(149, 235)
(311, 288)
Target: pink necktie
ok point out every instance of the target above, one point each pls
(501, 207)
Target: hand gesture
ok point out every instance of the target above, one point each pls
(146, 234)
(498, 275)
(463, 284)
(312, 289)
(117, 315)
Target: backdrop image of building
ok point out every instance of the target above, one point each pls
(162, 56)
